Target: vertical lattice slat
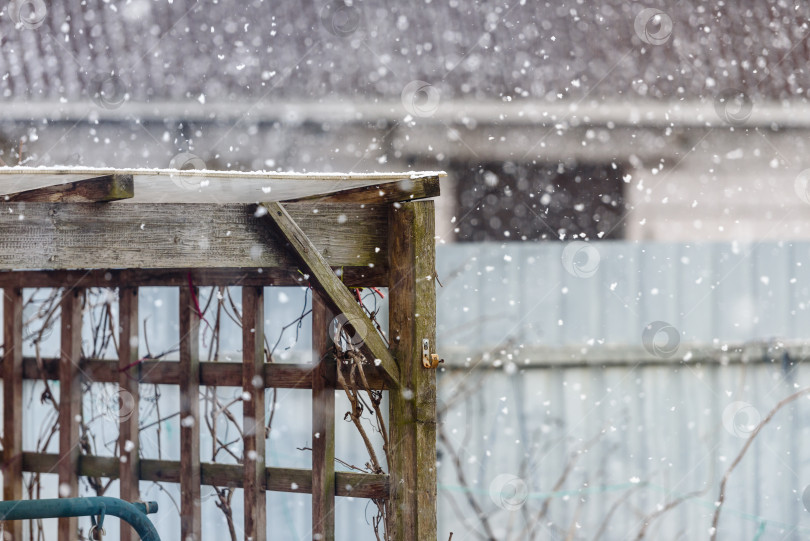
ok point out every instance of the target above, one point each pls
(253, 412)
(12, 402)
(128, 418)
(190, 521)
(323, 424)
(412, 318)
(70, 404)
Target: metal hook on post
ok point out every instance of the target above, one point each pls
(429, 360)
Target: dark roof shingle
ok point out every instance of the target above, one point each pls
(249, 50)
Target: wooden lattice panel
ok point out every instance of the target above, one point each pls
(332, 233)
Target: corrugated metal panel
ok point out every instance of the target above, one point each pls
(522, 293)
(666, 432)
(668, 427)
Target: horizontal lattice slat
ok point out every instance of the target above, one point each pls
(222, 374)
(359, 276)
(356, 485)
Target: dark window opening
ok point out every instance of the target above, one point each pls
(507, 201)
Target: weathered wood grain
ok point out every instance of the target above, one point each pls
(253, 412)
(162, 244)
(334, 291)
(190, 504)
(412, 318)
(100, 235)
(353, 484)
(390, 192)
(222, 374)
(193, 185)
(261, 276)
(323, 423)
(12, 402)
(128, 401)
(70, 404)
(92, 190)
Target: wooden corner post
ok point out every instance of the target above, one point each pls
(412, 319)
(12, 403)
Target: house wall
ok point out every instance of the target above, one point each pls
(691, 176)
(724, 185)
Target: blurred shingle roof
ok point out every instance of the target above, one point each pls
(248, 50)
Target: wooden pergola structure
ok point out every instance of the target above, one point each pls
(79, 228)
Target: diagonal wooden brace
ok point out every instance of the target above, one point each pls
(335, 293)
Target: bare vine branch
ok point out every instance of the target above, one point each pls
(721, 498)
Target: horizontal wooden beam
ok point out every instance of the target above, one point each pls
(221, 374)
(354, 484)
(334, 292)
(192, 185)
(260, 276)
(135, 235)
(92, 190)
(391, 192)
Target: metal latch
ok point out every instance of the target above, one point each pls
(429, 360)
(97, 531)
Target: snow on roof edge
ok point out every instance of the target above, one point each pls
(269, 175)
